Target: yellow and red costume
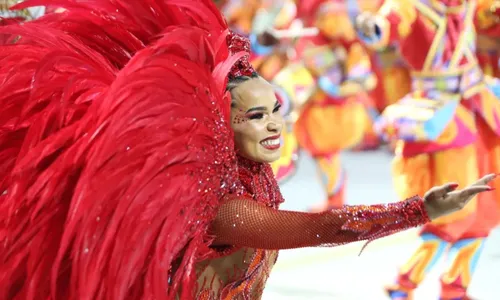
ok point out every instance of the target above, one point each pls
(294, 86)
(447, 129)
(339, 114)
(488, 29)
(393, 76)
(392, 72)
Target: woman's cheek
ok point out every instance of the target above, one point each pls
(239, 120)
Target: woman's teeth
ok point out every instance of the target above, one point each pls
(272, 142)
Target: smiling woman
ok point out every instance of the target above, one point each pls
(255, 118)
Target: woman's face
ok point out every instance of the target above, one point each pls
(256, 120)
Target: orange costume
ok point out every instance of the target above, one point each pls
(393, 77)
(447, 129)
(392, 72)
(488, 45)
(339, 114)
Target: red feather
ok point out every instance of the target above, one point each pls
(111, 177)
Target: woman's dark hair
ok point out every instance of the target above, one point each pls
(234, 82)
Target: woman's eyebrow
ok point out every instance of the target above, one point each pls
(257, 108)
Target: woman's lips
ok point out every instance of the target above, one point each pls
(272, 142)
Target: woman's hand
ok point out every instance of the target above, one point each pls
(445, 199)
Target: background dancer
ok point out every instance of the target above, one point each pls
(451, 114)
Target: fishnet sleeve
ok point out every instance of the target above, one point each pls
(246, 223)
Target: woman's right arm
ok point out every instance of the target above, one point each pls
(247, 223)
(242, 222)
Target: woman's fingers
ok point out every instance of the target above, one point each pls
(475, 189)
(469, 192)
(438, 192)
(485, 179)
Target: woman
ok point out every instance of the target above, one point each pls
(143, 178)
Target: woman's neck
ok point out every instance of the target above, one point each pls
(259, 182)
(249, 165)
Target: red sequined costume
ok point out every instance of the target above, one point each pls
(119, 175)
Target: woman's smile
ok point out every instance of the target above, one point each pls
(271, 143)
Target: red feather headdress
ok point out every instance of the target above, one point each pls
(116, 147)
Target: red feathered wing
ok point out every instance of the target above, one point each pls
(161, 160)
(111, 180)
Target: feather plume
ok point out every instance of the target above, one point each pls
(116, 148)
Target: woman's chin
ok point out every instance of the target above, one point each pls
(266, 156)
(269, 157)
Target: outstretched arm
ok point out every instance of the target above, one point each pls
(246, 223)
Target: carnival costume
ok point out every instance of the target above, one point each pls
(488, 29)
(118, 166)
(451, 115)
(393, 74)
(339, 113)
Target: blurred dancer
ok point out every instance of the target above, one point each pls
(339, 114)
(451, 114)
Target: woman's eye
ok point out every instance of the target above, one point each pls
(277, 109)
(256, 116)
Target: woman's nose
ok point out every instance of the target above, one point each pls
(274, 126)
